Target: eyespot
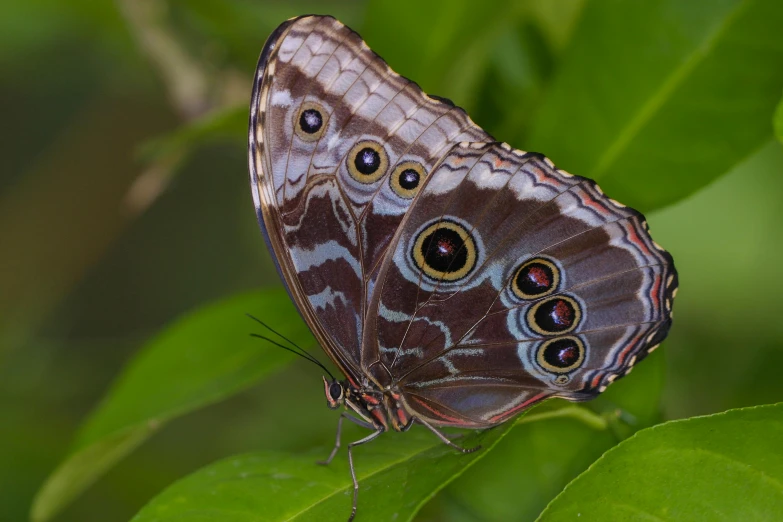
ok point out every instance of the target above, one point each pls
(561, 356)
(445, 251)
(310, 122)
(555, 315)
(367, 161)
(407, 178)
(535, 278)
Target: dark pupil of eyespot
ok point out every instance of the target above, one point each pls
(409, 179)
(310, 121)
(535, 279)
(555, 315)
(367, 161)
(444, 250)
(562, 353)
(335, 390)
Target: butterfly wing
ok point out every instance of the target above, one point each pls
(338, 146)
(511, 281)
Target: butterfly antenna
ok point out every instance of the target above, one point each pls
(318, 363)
(262, 323)
(301, 352)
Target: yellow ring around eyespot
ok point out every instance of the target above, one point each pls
(468, 244)
(351, 165)
(531, 313)
(554, 369)
(394, 179)
(555, 276)
(308, 105)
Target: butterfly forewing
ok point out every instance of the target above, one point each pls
(339, 146)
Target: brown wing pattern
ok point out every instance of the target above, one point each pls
(511, 281)
(338, 146)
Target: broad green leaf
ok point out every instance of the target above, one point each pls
(445, 54)
(779, 121)
(526, 470)
(656, 99)
(534, 463)
(493, 61)
(204, 357)
(520, 65)
(722, 467)
(397, 473)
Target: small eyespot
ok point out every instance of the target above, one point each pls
(562, 380)
(555, 315)
(562, 355)
(335, 391)
(406, 179)
(367, 161)
(535, 278)
(445, 251)
(310, 122)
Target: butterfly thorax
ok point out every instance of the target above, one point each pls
(382, 409)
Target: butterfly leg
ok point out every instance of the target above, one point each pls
(366, 439)
(344, 415)
(445, 439)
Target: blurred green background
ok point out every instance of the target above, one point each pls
(109, 229)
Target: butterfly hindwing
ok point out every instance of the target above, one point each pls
(339, 146)
(511, 281)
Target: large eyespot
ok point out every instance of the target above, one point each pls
(445, 251)
(536, 278)
(561, 355)
(367, 161)
(310, 122)
(555, 315)
(407, 178)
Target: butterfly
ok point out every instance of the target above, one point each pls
(454, 280)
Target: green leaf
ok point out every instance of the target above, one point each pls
(202, 358)
(779, 121)
(448, 54)
(656, 99)
(397, 473)
(534, 463)
(494, 61)
(723, 467)
(525, 471)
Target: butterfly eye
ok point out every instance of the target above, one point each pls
(445, 251)
(536, 278)
(406, 179)
(310, 122)
(561, 355)
(335, 391)
(556, 315)
(367, 161)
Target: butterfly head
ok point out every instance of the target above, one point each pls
(335, 393)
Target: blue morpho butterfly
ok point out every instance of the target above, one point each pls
(454, 280)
